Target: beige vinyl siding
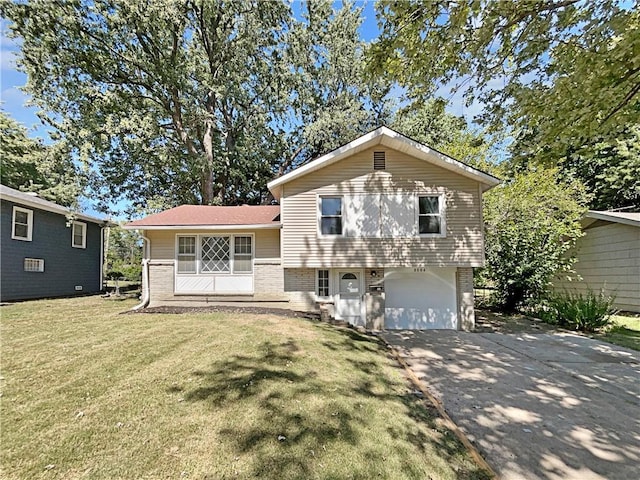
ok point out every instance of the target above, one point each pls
(303, 247)
(163, 242)
(608, 257)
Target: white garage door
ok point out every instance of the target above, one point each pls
(420, 300)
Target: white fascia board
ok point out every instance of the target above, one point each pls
(612, 218)
(395, 140)
(423, 152)
(51, 207)
(363, 142)
(203, 227)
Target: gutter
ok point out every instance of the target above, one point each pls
(146, 293)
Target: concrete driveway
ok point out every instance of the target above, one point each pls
(537, 406)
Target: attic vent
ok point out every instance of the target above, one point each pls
(379, 162)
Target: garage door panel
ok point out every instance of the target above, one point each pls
(422, 300)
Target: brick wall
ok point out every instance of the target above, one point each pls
(268, 277)
(161, 280)
(300, 288)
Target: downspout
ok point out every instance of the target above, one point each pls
(102, 256)
(146, 294)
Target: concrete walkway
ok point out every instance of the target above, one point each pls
(537, 406)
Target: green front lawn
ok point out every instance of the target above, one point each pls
(89, 393)
(625, 332)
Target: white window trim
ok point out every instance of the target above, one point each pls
(84, 234)
(233, 254)
(329, 296)
(177, 254)
(319, 213)
(443, 218)
(34, 261)
(232, 245)
(29, 213)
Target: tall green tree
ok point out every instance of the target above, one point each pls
(609, 169)
(27, 164)
(429, 123)
(124, 253)
(166, 101)
(557, 73)
(532, 221)
(333, 100)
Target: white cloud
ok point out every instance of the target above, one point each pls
(9, 48)
(7, 59)
(13, 97)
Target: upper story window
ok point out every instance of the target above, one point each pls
(331, 215)
(209, 254)
(430, 218)
(79, 235)
(22, 224)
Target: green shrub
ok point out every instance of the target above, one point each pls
(577, 311)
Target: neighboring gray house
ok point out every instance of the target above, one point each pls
(46, 250)
(608, 257)
(384, 232)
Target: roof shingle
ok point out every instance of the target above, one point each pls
(197, 215)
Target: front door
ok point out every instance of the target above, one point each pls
(349, 301)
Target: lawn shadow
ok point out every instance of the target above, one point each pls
(285, 411)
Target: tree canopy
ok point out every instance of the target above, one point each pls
(181, 101)
(558, 74)
(171, 100)
(428, 122)
(28, 165)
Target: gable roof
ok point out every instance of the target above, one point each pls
(392, 139)
(33, 201)
(211, 218)
(627, 218)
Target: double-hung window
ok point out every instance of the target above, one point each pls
(242, 255)
(331, 215)
(430, 221)
(187, 255)
(215, 254)
(22, 224)
(323, 283)
(79, 235)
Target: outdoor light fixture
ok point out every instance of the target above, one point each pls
(374, 273)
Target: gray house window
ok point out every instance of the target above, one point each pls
(34, 265)
(79, 235)
(430, 215)
(331, 215)
(22, 224)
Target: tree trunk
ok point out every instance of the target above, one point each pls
(207, 175)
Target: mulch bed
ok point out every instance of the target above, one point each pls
(227, 309)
